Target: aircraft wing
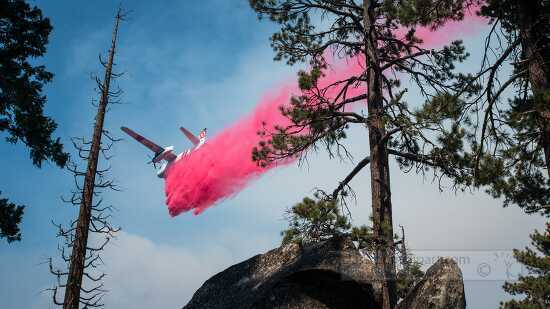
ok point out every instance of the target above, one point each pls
(190, 136)
(147, 143)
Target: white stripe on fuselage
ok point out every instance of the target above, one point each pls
(164, 168)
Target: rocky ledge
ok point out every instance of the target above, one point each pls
(330, 274)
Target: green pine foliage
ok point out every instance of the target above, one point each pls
(419, 137)
(509, 142)
(314, 220)
(317, 219)
(507, 11)
(10, 218)
(426, 12)
(24, 35)
(535, 286)
(408, 277)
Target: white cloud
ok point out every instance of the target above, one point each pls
(143, 274)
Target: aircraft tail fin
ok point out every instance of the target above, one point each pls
(202, 136)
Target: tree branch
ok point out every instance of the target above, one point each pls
(350, 176)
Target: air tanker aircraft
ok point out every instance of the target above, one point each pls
(167, 153)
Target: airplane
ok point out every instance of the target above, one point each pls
(167, 153)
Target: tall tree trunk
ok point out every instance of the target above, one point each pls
(535, 44)
(380, 177)
(78, 255)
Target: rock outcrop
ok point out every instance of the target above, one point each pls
(441, 287)
(331, 274)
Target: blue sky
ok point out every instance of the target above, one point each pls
(205, 64)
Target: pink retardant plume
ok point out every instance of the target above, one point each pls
(452, 30)
(223, 166)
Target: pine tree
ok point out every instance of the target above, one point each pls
(418, 138)
(318, 219)
(24, 35)
(536, 285)
(10, 217)
(314, 220)
(527, 29)
(511, 143)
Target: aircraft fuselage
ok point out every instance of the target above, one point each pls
(166, 154)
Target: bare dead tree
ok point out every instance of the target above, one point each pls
(86, 237)
(403, 250)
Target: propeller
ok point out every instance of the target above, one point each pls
(151, 161)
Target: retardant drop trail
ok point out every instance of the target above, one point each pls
(223, 166)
